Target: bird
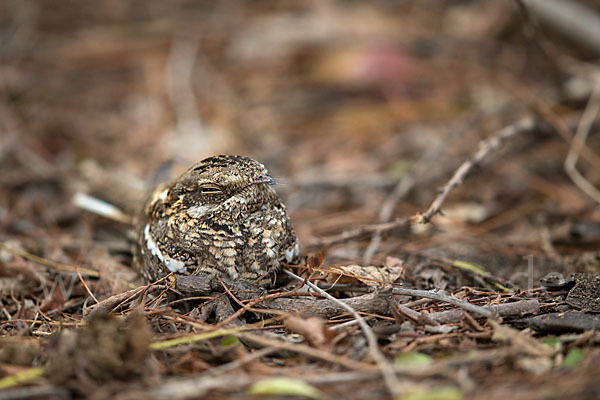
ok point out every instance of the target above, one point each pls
(222, 218)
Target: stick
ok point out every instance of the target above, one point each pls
(486, 146)
(445, 298)
(385, 367)
(502, 310)
(405, 185)
(587, 120)
(454, 316)
(371, 303)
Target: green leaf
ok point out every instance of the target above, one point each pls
(500, 287)
(479, 271)
(25, 376)
(442, 393)
(573, 358)
(411, 359)
(229, 340)
(470, 267)
(552, 342)
(284, 386)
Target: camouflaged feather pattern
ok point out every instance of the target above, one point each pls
(221, 216)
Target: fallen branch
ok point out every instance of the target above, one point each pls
(486, 146)
(587, 120)
(385, 367)
(445, 298)
(371, 303)
(454, 316)
(501, 310)
(420, 172)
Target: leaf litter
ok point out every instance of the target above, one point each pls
(421, 150)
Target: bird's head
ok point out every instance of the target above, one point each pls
(224, 181)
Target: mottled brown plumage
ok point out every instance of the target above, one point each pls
(221, 217)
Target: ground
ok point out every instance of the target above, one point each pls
(435, 146)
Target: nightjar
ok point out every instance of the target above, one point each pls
(221, 217)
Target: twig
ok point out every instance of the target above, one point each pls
(486, 146)
(309, 351)
(401, 313)
(46, 262)
(273, 301)
(244, 306)
(405, 185)
(187, 339)
(375, 302)
(359, 232)
(248, 306)
(344, 287)
(110, 303)
(385, 367)
(587, 120)
(86, 286)
(402, 188)
(501, 310)
(445, 298)
(563, 127)
(372, 303)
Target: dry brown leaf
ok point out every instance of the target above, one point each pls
(371, 275)
(313, 329)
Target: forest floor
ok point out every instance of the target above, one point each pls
(450, 148)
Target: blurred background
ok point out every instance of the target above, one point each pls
(341, 100)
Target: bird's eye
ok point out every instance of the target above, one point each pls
(210, 190)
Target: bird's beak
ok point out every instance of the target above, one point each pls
(264, 179)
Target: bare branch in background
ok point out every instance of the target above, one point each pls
(486, 146)
(587, 120)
